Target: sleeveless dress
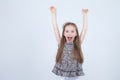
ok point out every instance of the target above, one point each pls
(68, 67)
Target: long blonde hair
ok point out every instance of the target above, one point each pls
(76, 51)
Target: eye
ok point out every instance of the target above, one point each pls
(66, 31)
(72, 31)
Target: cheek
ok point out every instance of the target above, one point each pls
(75, 34)
(65, 34)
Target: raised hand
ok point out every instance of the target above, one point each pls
(55, 25)
(84, 29)
(52, 9)
(84, 11)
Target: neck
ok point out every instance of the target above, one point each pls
(69, 42)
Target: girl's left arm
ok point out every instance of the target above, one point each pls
(84, 29)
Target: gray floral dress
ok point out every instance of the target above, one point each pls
(68, 67)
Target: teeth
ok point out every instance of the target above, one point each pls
(69, 38)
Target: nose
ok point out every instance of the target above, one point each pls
(69, 34)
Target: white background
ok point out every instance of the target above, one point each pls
(28, 45)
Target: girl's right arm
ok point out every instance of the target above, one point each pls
(55, 26)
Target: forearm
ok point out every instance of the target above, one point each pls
(54, 20)
(84, 28)
(55, 26)
(84, 22)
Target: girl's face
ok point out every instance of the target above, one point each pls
(70, 33)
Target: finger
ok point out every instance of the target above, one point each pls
(85, 10)
(52, 7)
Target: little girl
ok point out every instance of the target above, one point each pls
(69, 58)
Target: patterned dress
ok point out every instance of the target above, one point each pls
(68, 67)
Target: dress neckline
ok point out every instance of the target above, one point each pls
(69, 43)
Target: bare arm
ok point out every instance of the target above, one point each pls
(84, 29)
(55, 25)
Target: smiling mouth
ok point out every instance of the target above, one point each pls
(69, 38)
